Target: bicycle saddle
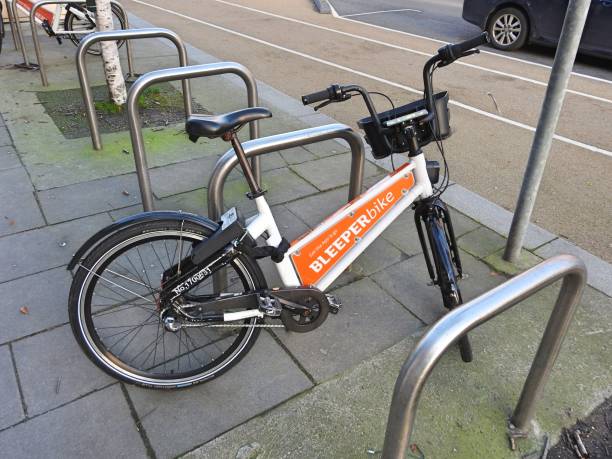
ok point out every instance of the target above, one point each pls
(216, 125)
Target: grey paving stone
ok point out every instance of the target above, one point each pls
(18, 208)
(314, 209)
(402, 234)
(283, 186)
(331, 172)
(297, 155)
(408, 281)
(11, 411)
(461, 223)
(263, 379)
(180, 177)
(5, 138)
(53, 370)
(327, 148)
(369, 322)
(99, 425)
(377, 256)
(481, 242)
(599, 272)
(8, 158)
(44, 294)
(49, 247)
(88, 198)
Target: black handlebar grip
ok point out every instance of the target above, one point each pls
(317, 96)
(455, 51)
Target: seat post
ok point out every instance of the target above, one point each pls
(244, 164)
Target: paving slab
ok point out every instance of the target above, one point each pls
(376, 257)
(11, 411)
(263, 379)
(88, 198)
(331, 172)
(525, 261)
(8, 158)
(314, 209)
(369, 322)
(408, 282)
(297, 155)
(41, 249)
(5, 138)
(481, 242)
(327, 148)
(599, 272)
(99, 425)
(53, 370)
(18, 208)
(45, 295)
(181, 177)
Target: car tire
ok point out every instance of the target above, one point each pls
(508, 29)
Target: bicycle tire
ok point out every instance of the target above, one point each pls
(98, 337)
(69, 24)
(447, 277)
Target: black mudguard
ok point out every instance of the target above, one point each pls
(142, 217)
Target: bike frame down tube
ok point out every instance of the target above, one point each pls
(320, 256)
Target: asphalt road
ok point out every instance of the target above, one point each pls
(441, 19)
(495, 100)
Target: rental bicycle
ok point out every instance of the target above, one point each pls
(79, 19)
(170, 299)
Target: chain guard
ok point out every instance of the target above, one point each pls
(304, 308)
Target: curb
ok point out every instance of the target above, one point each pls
(322, 6)
(538, 240)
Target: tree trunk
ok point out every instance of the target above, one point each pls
(110, 54)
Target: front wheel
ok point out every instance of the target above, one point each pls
(445, 270)
(114, 309)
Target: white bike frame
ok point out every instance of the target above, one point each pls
(320, 256)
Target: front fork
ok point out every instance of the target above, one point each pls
(433, 214)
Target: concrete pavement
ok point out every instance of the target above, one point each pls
(334, 383)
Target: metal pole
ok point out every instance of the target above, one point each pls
(15, 12)
(254, 148)
(451, 327)
(35, 39)
(37, 49)
(128, 45)
(571, 33)
(113, 35)
(160, 76)
(9, 12)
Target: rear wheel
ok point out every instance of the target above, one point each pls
(116, 316)
(508, 29)
(72, 22)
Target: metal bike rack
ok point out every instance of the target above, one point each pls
(254, 148)
(13, 15)
(131, 34)
(39, 59)
(173, 74)
(452, 326)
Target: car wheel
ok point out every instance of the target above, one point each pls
(508, 29)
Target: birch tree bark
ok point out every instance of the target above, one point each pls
(110, 54)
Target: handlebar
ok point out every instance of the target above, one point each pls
(450, 53)
(317, 96)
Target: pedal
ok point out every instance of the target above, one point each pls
(269, 306)
(334, 303)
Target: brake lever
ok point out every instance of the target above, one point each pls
(327, 102)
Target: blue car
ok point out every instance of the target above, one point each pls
(513, 23)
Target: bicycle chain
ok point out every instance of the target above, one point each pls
(232, 326)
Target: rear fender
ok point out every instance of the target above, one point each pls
(132, 220)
